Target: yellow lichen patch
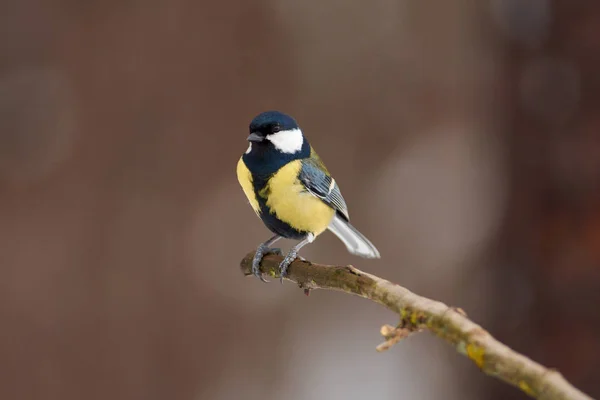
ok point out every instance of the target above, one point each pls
(476, 353)
(524, 386)
(417, 318)
(413, 318)
(461, 347)
(403, 314)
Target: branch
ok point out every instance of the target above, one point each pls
(419, 313)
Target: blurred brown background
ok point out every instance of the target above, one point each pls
(464, 135)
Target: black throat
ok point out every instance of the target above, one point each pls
(264, 160)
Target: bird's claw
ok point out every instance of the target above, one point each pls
(260, 253)
(262, 278)
(292, 255)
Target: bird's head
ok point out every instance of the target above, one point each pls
(274, 131)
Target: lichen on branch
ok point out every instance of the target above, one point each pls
(418, 313)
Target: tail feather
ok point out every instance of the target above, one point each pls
(355, 242)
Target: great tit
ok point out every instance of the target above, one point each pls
(291, 191)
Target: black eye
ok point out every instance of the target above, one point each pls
(275, 128)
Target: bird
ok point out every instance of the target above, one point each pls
(292, 192)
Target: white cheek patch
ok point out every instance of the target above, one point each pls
(289, 141)
(249, 148)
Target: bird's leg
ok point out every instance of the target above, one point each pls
(261, 251)
(292, 255)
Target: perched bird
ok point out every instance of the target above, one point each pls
(291, 191)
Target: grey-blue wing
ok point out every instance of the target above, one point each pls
(322, 185)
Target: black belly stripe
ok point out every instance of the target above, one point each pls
(276, 225)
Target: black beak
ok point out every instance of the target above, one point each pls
(255, 137)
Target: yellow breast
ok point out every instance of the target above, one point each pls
(245, 179)
(290, 202)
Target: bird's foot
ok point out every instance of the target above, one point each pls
(291, 256)
(262, 251)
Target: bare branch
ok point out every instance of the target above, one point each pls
(419, 313)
